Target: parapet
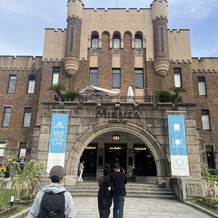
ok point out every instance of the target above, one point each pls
(75, 9)
(159, 9)
(205, 65)
(21, 62)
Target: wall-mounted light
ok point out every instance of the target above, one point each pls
(136, 104)
(115, 148)
(98, 106)
(91, 147)
(116, 138)
(117, 104)
(140, 148)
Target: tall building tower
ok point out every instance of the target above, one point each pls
(161, 50)
(73, 36)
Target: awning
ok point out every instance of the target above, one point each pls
(94, 91)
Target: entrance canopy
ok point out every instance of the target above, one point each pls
(95, 92)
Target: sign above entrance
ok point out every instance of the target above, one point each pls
(117, 113)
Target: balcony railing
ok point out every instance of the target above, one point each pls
(120, 99)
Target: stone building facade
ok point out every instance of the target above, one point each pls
(112, 49)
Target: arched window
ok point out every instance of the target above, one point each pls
(138, 41)
(94, 41)
(116, 41)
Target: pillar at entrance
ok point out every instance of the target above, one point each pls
(70, 180)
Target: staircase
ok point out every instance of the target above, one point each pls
(134, 190)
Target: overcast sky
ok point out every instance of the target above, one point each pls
(22, 22)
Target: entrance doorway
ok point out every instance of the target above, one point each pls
(89, 156)
(115, 153)
(144, 161)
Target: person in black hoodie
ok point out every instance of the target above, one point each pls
(104, 195)
(118, 180)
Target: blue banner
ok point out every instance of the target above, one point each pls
(58, 134)
(178, 146)
(57, 141)
(177, 135)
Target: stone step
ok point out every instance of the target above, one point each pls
(133, 190)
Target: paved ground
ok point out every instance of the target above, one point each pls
(141, 208)
(138, 208)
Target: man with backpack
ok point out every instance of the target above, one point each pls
(53, 200)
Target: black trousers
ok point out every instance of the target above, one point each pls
(104, 204)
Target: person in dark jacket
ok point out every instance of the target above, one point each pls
(118, 180)
(104, 195)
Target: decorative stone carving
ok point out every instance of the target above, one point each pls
(193, 190)
(71, 65)
(161, 66)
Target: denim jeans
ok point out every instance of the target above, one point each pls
(118, 206)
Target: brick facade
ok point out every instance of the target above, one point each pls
(84, 126)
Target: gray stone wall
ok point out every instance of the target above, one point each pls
(87, 121)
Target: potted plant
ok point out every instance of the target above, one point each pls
(175, 98)
(163, 95)
(62, 93)
(71, 95)
(59, 89)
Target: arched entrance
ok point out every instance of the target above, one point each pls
(131, 152)
(162, 170)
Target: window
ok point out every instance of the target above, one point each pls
(116, 41)
(27, 116)
(71, 38)
(177, 77)
(31, 84)
(138, 41)
(139, 81)
(22, 151)
(205, 120)
(2, 149)
(202, 86)
(210, 156)
(116, 78)
(12, 83)
(162, 39)
(7, 116)
(94, 41)
(55, 75)
(93, 76)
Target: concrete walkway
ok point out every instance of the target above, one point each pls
(139, 208)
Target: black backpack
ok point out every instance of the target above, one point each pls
(52, 205)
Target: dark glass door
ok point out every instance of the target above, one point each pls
(115, 153)
(90, 157)
(144, 161)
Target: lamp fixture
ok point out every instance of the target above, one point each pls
(115, 148)
(116, 138)
(117, 104)
(91, 147)
(140, 148)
